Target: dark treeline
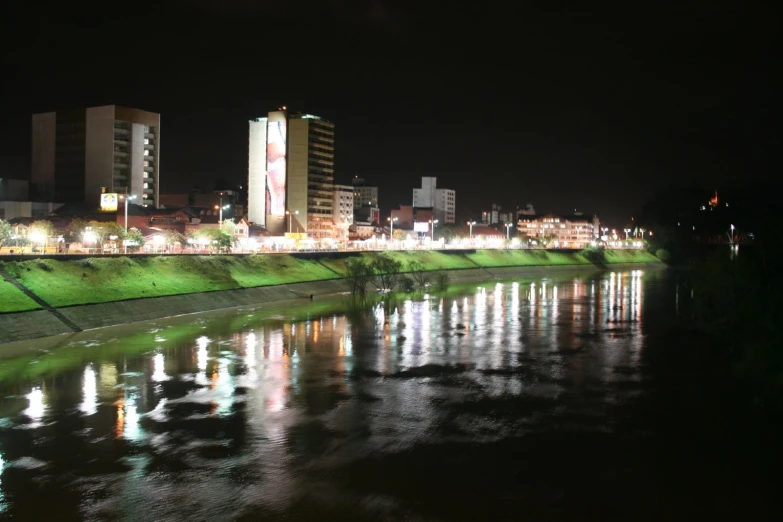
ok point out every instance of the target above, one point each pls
(738, 296)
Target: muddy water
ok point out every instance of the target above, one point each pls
(541, 399)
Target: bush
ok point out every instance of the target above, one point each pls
(358, 276)
(420, 277)
(87, 263)
(594, 255)
(442, 281)
(663, 255)
(388, 271)
(407, 284)
(40, 263)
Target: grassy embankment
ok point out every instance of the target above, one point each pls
(100, 280)
(14, 300)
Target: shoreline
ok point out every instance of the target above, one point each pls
(16, 327)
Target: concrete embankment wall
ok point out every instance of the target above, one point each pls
(42, 323)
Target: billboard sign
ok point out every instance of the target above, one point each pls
(276, 164)
(421, 226)
(109, 202)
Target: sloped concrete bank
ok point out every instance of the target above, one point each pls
(42, 323)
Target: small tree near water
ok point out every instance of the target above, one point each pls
(358, 275)
(387, 270)
(420, 276)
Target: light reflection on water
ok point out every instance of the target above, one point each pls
(257, 413)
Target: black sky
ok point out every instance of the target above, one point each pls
(563, 106)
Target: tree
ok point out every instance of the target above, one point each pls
(135, 239)
(229, 227)
(75, 231)
(172, 238)
(358, 275)
(5, 231)
(387, 270)
(449, 232)
(40, 231)
(419, 275)
(218, 239)
(101, 232)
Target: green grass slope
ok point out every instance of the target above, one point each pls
(105, 279)
(13, 300)
(431, 260)
(100, 280)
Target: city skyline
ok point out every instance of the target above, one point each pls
(562, 109)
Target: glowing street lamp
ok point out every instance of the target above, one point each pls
(221, 208)
(508, 228)
(289, 214)
(470, 224)
(127, 197)
(391, 221)
(432, 229)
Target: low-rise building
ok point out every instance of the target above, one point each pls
(26, 209)
(572, 231)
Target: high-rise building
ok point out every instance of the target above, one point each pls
(364, 196)
(291, 173)
(442, 201)
(365, 202)
(78, 154)
(342, 211)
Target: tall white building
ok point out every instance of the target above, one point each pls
(78, 154)
(342, 210)
(291, 173)
(442, 201)
(364, 196)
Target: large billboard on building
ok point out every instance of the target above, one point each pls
(109, 202)
(276, 164)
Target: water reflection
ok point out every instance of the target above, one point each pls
(89, 405)
(258, 411)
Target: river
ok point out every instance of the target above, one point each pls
(581, 397)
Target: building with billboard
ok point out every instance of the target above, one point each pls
(443, 201)
(78, 155)
(291, 173)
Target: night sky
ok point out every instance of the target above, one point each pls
(506, 102)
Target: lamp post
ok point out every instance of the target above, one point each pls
(391, 221)
(470, 224)
(508, 229)
(127, 197)
(290, 216)
(432, 229)
(221, 208)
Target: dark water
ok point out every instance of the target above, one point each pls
(576, 398)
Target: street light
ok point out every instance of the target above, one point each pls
(288, 213)
(470, 224)
(221, 208)
(391, 221)
(432, 229)
(508, 229)
(127, 197)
